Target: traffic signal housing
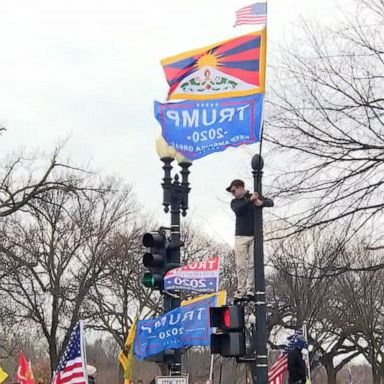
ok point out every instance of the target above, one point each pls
(155, 260)
(229, 338)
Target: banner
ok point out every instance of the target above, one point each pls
(24, 372)
(3, 375)
(183, 326)
(195, 277)
(221, 298)
(126, 356)
(73, 360)
(196, 129)
(231, 68)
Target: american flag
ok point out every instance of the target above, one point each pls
(252, 14)
(277, 371)
(72, 367)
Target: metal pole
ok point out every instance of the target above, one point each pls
(174, 302)
(179, 203)
(306, 356)
(211, 370)
(175, 195)
(260, 369)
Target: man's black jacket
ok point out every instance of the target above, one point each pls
(296, 366)
(243, 209)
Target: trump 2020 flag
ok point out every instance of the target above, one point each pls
(195, 277)
(197, 129)
(181, 327)
(72, 367)
(231, 68)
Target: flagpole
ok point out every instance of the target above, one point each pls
(83, 348)
(211, 370)
(260, 368)
(305, 334)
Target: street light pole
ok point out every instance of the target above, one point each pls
(175, 196)
(260, 368)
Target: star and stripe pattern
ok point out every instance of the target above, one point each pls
(252, 14)
(279, 368)
(72, 367)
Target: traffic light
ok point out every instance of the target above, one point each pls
(155, 260)
(229, 338)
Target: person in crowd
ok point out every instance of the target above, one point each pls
(297, 370)
(91, 370)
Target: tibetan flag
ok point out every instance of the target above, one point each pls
(231, 68)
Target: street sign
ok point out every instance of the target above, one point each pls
(172, 380)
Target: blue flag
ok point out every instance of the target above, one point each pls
(199, 128)
(183, 326)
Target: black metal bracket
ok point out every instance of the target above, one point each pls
(246, 359)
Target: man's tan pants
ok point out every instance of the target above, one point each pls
(244, 263)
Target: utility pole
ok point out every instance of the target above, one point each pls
(260, 368)
(175, 197)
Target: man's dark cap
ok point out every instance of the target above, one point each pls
(235, 183)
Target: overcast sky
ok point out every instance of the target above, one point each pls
(89, 70)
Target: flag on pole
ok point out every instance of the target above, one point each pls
(183, 326)
(24, 371)
(279, 368)
(126, 356)
(3, 375)
(195, 277)
(72, 367)
(221, 298)
(252, 14)
(196, 129)
(231, 68)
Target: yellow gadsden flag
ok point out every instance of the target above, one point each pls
(126, 355)
(3, 375)
(221, 298)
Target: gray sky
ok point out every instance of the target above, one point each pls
(89, 70)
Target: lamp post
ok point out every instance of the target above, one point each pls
(260, 368)
(175, 200)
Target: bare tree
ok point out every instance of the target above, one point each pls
(119, 297)
(325, 114)
(361, 308)
(9, 329)
(24, 177)
(301, 291)
(56, 249)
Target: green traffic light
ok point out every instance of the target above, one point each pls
(148, 280)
